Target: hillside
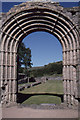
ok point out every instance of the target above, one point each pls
(36, 68)
(50, 69)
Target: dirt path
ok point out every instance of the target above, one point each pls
(15, 112)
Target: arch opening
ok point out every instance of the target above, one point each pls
(46, 50)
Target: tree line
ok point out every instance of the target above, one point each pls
(50, 69)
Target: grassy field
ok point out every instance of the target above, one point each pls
(39, 99)
(51, 87)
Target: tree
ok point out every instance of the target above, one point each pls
(24, 55)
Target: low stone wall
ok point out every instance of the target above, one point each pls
(22, 87)
(55, 78)
(23, 80)
(36, 81)
(44, 79)
(26, 80)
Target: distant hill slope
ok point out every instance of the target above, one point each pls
(36, 68)
(50, 69)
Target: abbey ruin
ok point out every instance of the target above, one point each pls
(33, 16)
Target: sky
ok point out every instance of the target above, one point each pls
(7, 5)
(39, 0)
(45, 48)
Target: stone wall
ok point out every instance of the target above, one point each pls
(28, 17)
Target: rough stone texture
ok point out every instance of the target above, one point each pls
(29, 17)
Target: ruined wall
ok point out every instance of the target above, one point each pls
(29, 17)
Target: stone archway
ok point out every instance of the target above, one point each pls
(29, 17)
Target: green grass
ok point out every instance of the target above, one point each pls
(38, 99)
(51, 86)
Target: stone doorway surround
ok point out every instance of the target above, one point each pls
(33, 16)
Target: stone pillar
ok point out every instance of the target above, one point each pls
(78, 71)
(72, 93)
(14, 90)
(79, 81)
(75, 86)
(65, 76)
(68, 85)
(1, 75)
(10, 90)
(71, 78)
(74, 57)
(68, 57)
(64, 83)
(71, 57)
(10, 78)
(6, 76)
(71, 85)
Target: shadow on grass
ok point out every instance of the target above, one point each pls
(22, 97)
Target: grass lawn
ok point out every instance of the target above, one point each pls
(39, 99)
(51, 88)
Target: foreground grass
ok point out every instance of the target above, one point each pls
(51, 86)
(39, 99)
